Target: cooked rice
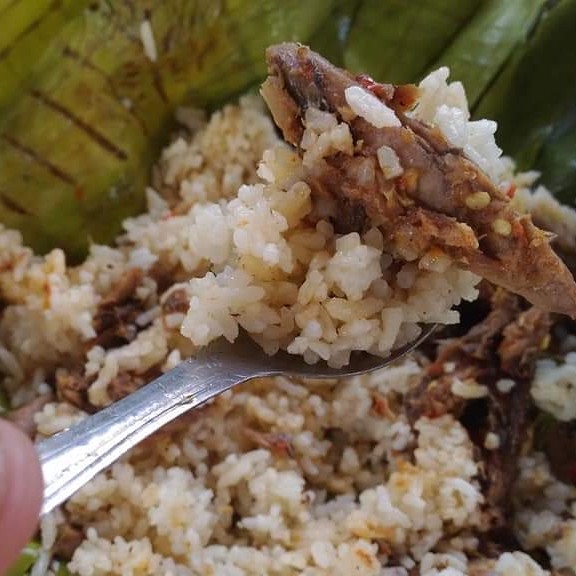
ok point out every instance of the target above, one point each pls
(148, 41)
(280, 476)
(446, 106)
(369, 107)
(554, 387)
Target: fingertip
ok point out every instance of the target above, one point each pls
(21, 488)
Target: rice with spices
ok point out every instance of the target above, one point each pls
(281, 476)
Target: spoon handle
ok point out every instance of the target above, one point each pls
(74, 456)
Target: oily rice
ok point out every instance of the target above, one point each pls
(281, 476)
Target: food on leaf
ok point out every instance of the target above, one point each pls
(428, 185)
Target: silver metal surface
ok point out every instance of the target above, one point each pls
(74, 456)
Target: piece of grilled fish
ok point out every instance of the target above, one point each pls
(441, 201)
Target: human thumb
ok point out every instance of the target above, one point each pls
(21, 489)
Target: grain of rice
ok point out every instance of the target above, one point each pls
(505, 385)
(389, 162)
(148, 41)
(367, 106)
(468, 389)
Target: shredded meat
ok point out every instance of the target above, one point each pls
(472, 356)
(114, 321)
(72, 387)
(558, 440)
(68, 539)
(163, 275)
(127, 382)
(523, 341)
(505, 344)
(442, 200)
(23, 417)
(508, 416)
(177, 301)
(124, 289)
(123, 385)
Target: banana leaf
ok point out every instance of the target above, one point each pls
(400, 41)
(556, 159)
(84, 112)
(515, 58)
(534, 100)
(27, 28)
(25, 561)
(62, 570)
(78, 138)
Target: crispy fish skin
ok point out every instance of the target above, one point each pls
(435, 202)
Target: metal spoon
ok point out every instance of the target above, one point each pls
(74, 456)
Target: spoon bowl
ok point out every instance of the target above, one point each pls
(74, 456)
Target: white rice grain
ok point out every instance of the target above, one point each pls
(369, 107)
(148, 41)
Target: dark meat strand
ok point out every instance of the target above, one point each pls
(558, 440)
(68, 539)
(127, 382)
(72, 387)
(505, 344)
(114, 320)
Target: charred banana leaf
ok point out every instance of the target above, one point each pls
(88, 90)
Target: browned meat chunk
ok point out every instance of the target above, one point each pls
(68, 539)
(127, 382)
(441, 200)
(114, 321)
(472, 357)
(523, 341)
(558, 440)
(123, 385)
(72, 387)
(177, 301)
(505, 345)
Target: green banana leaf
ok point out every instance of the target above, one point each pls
(25, 561)
(515, 58)
(400, 41)
(78, 138)
(27, 28)
(534, 100)
(84, 113)
(62, 570)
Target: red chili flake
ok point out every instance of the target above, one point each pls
(279, 444)
(79, 193)
(435, 369)
(511, 191)
(381, 406)
(367, 82)
(517, 230)
(382, 91)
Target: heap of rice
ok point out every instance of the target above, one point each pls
(280, 477)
